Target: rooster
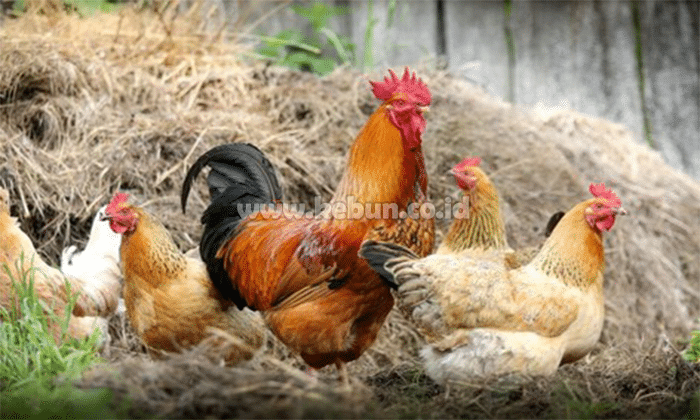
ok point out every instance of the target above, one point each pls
(96, 298)
(170, 301)
(304, 274)
(99, 260)
(487, 319)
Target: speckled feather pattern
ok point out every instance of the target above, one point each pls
(171, 302)
(476, 312)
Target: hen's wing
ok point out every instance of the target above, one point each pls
(446, 292)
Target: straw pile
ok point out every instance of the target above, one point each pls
(128, 101)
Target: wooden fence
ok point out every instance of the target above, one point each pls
(636, 63)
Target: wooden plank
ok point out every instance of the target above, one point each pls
(405, 37)
(476, 44)
(266, 18)
(578, 55)
(671, 53)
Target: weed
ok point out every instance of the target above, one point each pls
(81, 7)
(571, 402)
(36, 374)
(692, 353)
(292, 49)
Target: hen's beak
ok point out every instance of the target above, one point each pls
(620, 211)
(423, 109)
(105, 217)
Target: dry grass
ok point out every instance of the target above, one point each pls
(127, 101)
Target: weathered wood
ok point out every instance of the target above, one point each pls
(578, 54)
(407, 37)
(266, 18)
(476, 45)
(671, 50)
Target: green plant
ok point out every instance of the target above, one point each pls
(368, 59)
(692, 353)
(292, 49)
(36, 375)
(571, 402)
(81, 7)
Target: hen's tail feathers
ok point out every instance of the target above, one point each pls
(241, 179)
(382, 257)
(553, 222)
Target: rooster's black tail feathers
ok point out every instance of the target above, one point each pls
(232, 165)
(240, 179)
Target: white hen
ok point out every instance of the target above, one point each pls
(99, 261)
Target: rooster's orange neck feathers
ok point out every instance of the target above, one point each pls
(380, 168)
(574, 252)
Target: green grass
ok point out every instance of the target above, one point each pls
(692, 353)
(572, 402)
(368, 56)
(36, 375)
(293, 49)
(81, 7)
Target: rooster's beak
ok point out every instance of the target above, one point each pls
(621, 212)
(423, 109)
(105, 217)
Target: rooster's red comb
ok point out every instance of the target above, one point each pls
(599, 190)
(408, 84)
(468, 162)
(117, 200)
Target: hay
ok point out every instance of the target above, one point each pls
(128, 101)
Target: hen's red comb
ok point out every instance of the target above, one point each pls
(117, 199)
(410, 85)
(599, 190)
(468, 162)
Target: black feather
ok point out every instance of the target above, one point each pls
(377, 254)
(241, 178)
(553, 222)
(336, 283)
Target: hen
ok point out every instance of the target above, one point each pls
(99, 260)
(487, 319)
(170, 301)
(304, 273)
(483, 225)
(96, 298)
(484, 229)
